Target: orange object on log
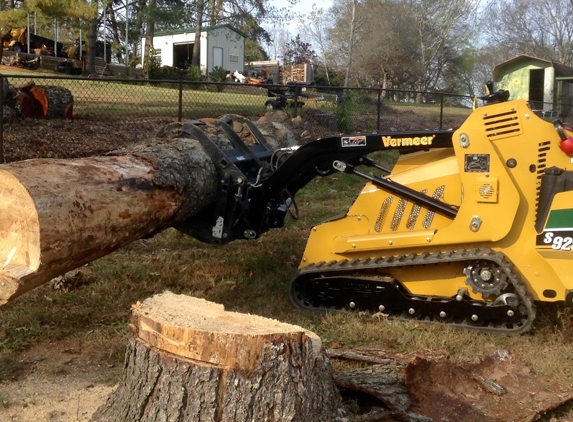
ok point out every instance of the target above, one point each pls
(47, 101)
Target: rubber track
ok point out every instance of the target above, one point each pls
(357, 265)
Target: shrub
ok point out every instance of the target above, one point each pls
(171, 73)
(343, 112)
(152, 65)
(193, 73)
(219, 74)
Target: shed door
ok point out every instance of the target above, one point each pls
(536, 84)
(217, 56)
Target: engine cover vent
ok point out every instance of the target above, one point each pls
(502, 125)
(487, 189)
(543, 150)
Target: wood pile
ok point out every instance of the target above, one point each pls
(294, 73)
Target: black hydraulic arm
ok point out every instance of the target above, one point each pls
(255, 192)
(315, 158)
(402, 191)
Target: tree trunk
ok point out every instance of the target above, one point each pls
(57, 215)
(47, 101)
(351, 44)
(149, 31)
(190, 360)
(196, 56)
(92, 46)
(115, 34)
(60, 214)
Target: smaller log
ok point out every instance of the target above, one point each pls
(47, 101)
(190, 360)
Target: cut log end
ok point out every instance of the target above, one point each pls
(46, 102)
(19, 228)
(192, 360)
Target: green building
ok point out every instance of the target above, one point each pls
(546, 85)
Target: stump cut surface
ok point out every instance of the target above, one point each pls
(201, 330)
(190, 360)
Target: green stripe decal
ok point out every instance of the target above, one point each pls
(560, 219)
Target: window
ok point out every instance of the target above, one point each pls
(233, 55)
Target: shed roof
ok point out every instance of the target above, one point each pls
(560, 69)
(192, 30)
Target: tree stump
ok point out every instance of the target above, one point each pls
(190, 360)
(47, 101)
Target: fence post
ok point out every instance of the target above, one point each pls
(379, 108)
(2, 93)
(180, 111)
(441, 110)
(296, 101)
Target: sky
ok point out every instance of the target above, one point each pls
(303, 7)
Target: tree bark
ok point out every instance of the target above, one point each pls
(57, 215)
(190, 360)
(149, 31)
(60, 214)
(47, 101)
(92, 46)
(196, 56)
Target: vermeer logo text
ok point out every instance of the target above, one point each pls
(407, 142)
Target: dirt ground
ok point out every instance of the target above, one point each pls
(57, 382)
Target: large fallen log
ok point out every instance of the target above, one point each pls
(57, 215)
(190, 360)
(60, 214)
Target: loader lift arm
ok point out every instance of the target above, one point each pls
(257, 185)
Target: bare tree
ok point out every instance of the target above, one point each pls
(345, 34)
(438, 28)
(351, 41)
(315, 28)
(387, 58)
(541, 29)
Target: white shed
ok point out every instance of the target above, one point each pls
(221, 45)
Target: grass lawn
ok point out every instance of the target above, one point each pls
(253, 277)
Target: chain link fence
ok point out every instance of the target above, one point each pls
(110, 113)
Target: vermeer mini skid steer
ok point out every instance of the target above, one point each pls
(470, 227)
